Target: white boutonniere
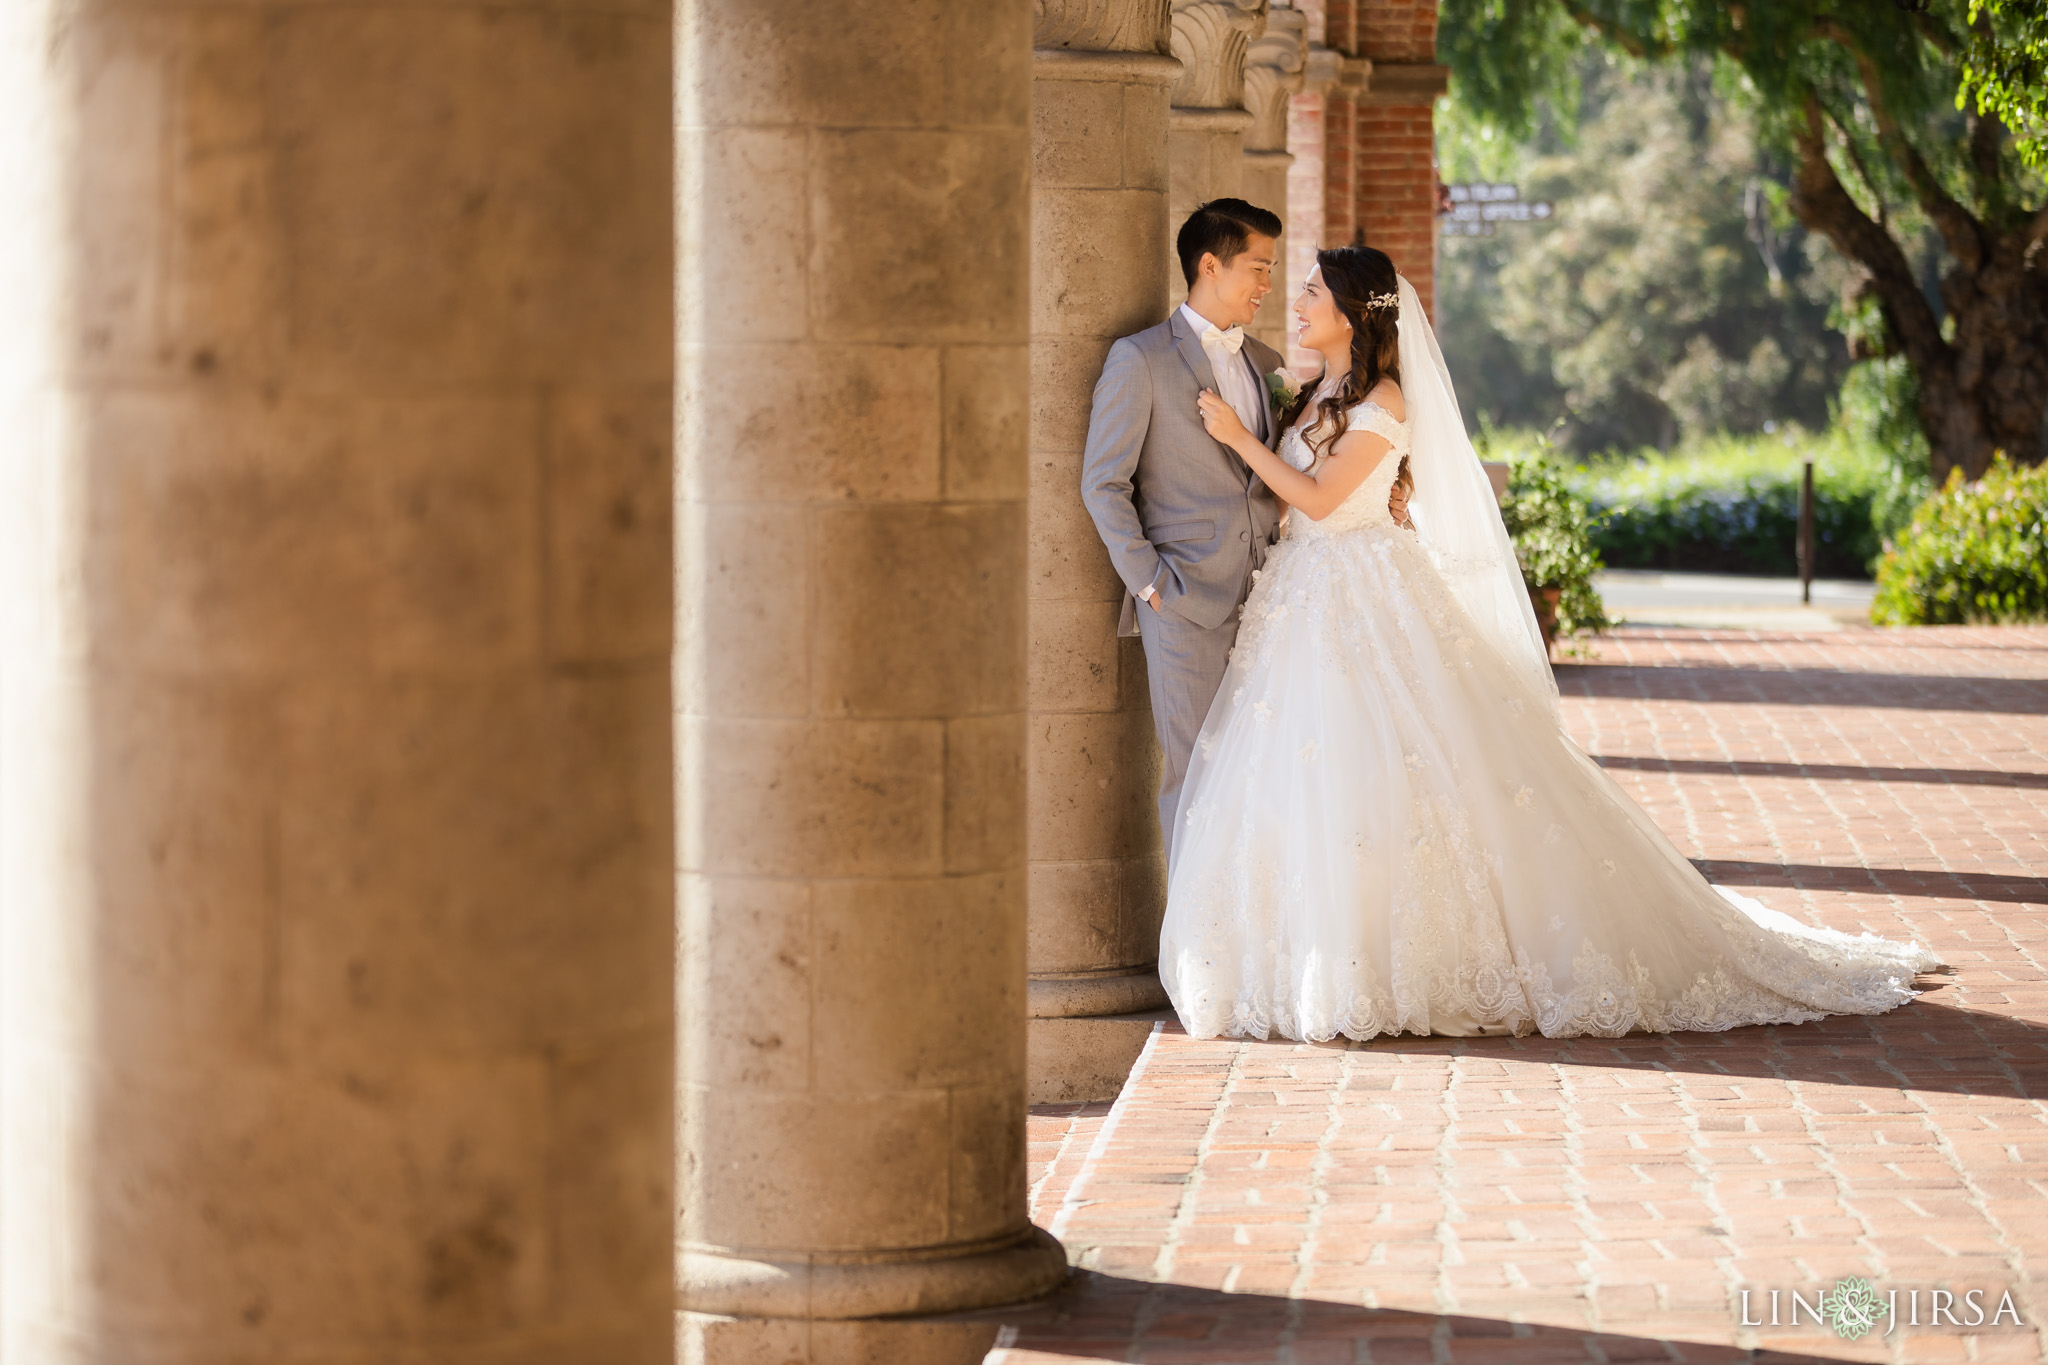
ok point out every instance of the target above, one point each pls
(1283, 388)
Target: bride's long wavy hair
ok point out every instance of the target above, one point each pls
(1362, 281)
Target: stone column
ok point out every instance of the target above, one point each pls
(335, 889)
(1100, 255)
(1274, 67)
(853, 376)
(1205, 146)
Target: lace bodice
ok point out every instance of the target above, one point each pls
(1367, 504)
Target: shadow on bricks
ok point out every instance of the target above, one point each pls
(1111, 1317)
(1806, 687)
(1925, 1046)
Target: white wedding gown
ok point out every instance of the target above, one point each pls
(1386, 829)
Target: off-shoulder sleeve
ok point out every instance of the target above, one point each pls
(1370, 416)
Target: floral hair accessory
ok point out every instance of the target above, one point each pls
(1382, 300)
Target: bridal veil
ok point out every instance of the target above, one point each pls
(1454, 508)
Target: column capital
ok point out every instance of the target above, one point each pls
(1101, 25)
(1274, 66)
(1322, 68)
(1210, 38)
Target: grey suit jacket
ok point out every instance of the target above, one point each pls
(1177, 508)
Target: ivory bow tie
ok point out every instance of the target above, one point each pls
(1229, 341)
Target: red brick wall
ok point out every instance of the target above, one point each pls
(1380, 157)
(1394, 163)
(1396, 30)
(1340, 25)
(1340, 148)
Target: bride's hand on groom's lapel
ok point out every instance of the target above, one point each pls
(1220, 419)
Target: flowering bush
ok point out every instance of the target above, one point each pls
(1553, 540)
(1974, 552)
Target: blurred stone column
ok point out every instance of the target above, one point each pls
(1206, 143)
(853, 379)
(1306, 143)
(1273, 70)
(1101, 257)
(335, 825)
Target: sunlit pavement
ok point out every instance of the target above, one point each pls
(1605, 1200)
(1732, 602)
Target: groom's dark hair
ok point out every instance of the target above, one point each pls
(1223, 228)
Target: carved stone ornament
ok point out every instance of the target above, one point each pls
(1274, 63)
(1101, 25)
(1324, 68)
(1210, 37)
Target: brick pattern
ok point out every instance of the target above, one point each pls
(1394, 172)
(1598, 1200)
(1340, 181)
(1384, 30)
(1379, 160)
(1397, 30)
(1341, 24)
(1058, 1140)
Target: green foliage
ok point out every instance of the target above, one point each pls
(2005, 71)
(1673, 295)
(1731, 505)
(1553, 541)
(1856, 109)
(1512, 60)
(1877, 411)
(1974, 552)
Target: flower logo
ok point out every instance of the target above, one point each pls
(1851, 1307)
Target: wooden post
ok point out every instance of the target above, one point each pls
(1804, 546)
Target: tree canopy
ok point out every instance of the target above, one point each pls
(1675, 298)
(1863, 101)
(2005, 71)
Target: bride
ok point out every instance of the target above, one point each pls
(1385, 827)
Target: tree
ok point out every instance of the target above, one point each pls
(1675, 297)
(2005, 70)
(1862, 97)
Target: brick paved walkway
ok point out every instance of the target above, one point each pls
(1600, 1200)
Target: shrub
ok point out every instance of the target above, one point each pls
(1731, 505)
(1553, 541)
(1972, 553)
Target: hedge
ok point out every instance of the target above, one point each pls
(1732, 506)
(1974, 552)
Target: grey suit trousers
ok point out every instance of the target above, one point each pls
(1184, 666)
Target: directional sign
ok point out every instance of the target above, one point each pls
(1475, 207)
(1483, 192)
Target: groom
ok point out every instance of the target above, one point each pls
(1185, 520)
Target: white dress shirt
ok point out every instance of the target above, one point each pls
(1235, 381)
(1234, 378)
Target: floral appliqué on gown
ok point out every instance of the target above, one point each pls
(1386, 829)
